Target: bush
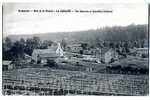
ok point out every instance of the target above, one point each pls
(32, 61)
(51, 63)
(144, 56)
(112, 60)
(39, 61)
(64, 62)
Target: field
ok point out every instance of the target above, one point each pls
(47, 81)
(130, 65)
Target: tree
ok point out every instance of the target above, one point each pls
(117, 46)
(45, 44)
(81, 51)
(126, 46)
(111, 45)
(7, 43)
(31, 44)
(23, 44)
(98, 42)
(17, 51)
(63, 44)
(22, 41)
(84, 46)
(36, 42)
(51, 63)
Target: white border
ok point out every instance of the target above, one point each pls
(67, 97)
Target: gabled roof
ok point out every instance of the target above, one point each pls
(47, 55)
(104, 50)
(44, 52)
(27, 56)
(74, 45)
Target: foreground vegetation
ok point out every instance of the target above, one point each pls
(47, 81)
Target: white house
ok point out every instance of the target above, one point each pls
(142, 51)
(91, 58)
(108, 54)
(7, 65)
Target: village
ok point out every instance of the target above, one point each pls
(75, 53)
(59, 71)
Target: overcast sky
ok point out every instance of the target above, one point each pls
(15, 22)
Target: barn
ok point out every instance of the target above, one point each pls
(52, 53)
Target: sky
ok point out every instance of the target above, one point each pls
(15, 22)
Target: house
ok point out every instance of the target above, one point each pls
(7, 65)
(87, 52)
(27, 58)
(52, 53)
(142, 52)
(145, 45)
(75, 48)
(91, 58)
(92, 51)
(108, 54)
(105, 55)
(96, 52)
(89, 69)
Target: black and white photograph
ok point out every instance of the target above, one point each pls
(75, 49)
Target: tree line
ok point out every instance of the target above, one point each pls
(17, 50)
(120, 38)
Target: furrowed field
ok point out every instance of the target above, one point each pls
(47, 81)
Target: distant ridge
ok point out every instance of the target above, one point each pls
(115, 33)
(54, 36)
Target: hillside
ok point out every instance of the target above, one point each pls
(115, 33)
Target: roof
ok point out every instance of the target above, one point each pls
(74, 45)
(53, 51)
(45, 52)
(27, 56)
(7, 62)
(145, 43)
(104, 50)
(53, 47)
(142, 49)
(48, 55)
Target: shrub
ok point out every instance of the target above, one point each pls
(51, 63)
(144, 56)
